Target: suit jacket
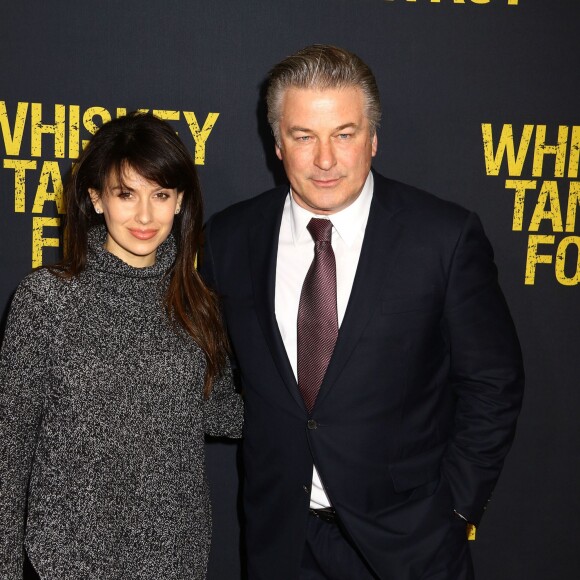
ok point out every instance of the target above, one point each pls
(419, 403)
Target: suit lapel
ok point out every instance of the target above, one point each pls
(263, 254)
(378, 256)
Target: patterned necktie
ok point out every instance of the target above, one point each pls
(317, 317)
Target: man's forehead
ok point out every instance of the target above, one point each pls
(322, 91)
(297, 98)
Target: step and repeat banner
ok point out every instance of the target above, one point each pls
(481, 107)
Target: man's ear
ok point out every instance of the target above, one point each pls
(278, 152)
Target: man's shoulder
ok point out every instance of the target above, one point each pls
(408, 202)
(270, 202)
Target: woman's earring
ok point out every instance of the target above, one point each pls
(177, 210)
(99, 211)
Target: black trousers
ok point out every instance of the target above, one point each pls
(328, 555)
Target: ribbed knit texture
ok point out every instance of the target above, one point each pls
(102, 423)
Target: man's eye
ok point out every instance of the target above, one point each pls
(303, 138)
(344, 136)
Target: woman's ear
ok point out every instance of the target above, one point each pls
(96, 200)
(179, 200)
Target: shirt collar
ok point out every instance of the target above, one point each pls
(347, 223)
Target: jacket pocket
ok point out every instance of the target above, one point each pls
(417, 470)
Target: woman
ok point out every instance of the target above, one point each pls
(112, 369)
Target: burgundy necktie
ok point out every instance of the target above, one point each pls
(317, 317)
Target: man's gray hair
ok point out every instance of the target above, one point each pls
(322, 66)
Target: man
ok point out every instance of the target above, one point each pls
(381, 370)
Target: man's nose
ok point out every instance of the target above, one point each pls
(324, 157)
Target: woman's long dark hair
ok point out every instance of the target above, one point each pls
(152, 149)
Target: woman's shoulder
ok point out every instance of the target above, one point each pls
(43, 287)
(43, 280)
(41, 299)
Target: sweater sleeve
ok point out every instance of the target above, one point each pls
(23, 369)
(223, 410)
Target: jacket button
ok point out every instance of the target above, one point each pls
(312, 424)
(305, 488)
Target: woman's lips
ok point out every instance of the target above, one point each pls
(143, 234)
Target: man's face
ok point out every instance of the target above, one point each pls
(325, 146)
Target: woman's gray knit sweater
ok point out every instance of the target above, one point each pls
(102, 422)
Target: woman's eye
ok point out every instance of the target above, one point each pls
(125, 194)
(162, 195)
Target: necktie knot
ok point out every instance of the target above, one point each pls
(320, 229)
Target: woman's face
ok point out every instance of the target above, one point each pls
(139, 215)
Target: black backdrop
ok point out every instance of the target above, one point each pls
(480, 106)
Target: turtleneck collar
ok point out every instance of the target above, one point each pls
(100, 259)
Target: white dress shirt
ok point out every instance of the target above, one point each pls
(295, 254)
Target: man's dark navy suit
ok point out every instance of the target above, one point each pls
(419, 403)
